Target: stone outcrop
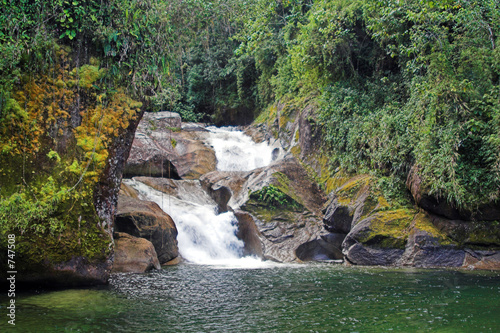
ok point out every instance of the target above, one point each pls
(377, 233)
(249, 233)
(441, 207)
(147, 220)
(281, 230)
(134, 254)
(162, 149)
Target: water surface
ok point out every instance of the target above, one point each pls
(278, 298)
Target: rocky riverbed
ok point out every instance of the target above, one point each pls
(287, 210)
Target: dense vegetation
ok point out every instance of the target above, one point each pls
(396, 85)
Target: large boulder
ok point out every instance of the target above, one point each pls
(134, 254)
(163, 148)
(283, 227)
(147, 220)
(378, 239)
(249, 233)
(442, 207)
(424, 250)
(287, 174)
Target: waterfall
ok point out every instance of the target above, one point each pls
(236, 151)
(205, 237)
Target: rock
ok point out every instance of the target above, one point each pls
(219, 193)
(281, 233)
(146, 219)
(441, 207)
(192, 158)
(249, 234)
(188, 190)
(327, 247)
(164, 119)
(478, 260)
(163, 147)
(133, 254)
(469, 233)
(360, 254)
(366, 245)
(338, 218)
(235, 181)
(128, 191)
(354, 199)
(423, 250)
(152, 164)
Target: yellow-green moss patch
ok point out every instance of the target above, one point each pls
(389, 228)
(422, 222)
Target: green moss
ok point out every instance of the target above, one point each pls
(284, 184)
(422, 222)
(485, 234)
(389, 228)
(350, 190)
(273, 197)
(296, 150)
(268, 213)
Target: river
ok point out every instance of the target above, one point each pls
(279, 298)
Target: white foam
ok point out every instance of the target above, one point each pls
(203, 236)
(236, 151)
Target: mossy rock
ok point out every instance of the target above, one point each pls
(388, 229)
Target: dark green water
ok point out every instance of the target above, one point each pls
(302, 298)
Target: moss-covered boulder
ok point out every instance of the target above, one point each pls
(381, 232)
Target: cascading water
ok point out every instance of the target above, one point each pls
(236, 151)
(205, 237)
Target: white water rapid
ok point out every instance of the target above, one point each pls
(236, 151)
(205, 237)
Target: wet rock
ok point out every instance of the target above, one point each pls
(249, 234)
(365, 246)
(326, 247)
(235, 181)
(145, 219)
(188, 190)
(282, 233)
(219, 193)
(282, 230)
(487, 260)
(128, 191)
(134, 254)
(424, 250)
